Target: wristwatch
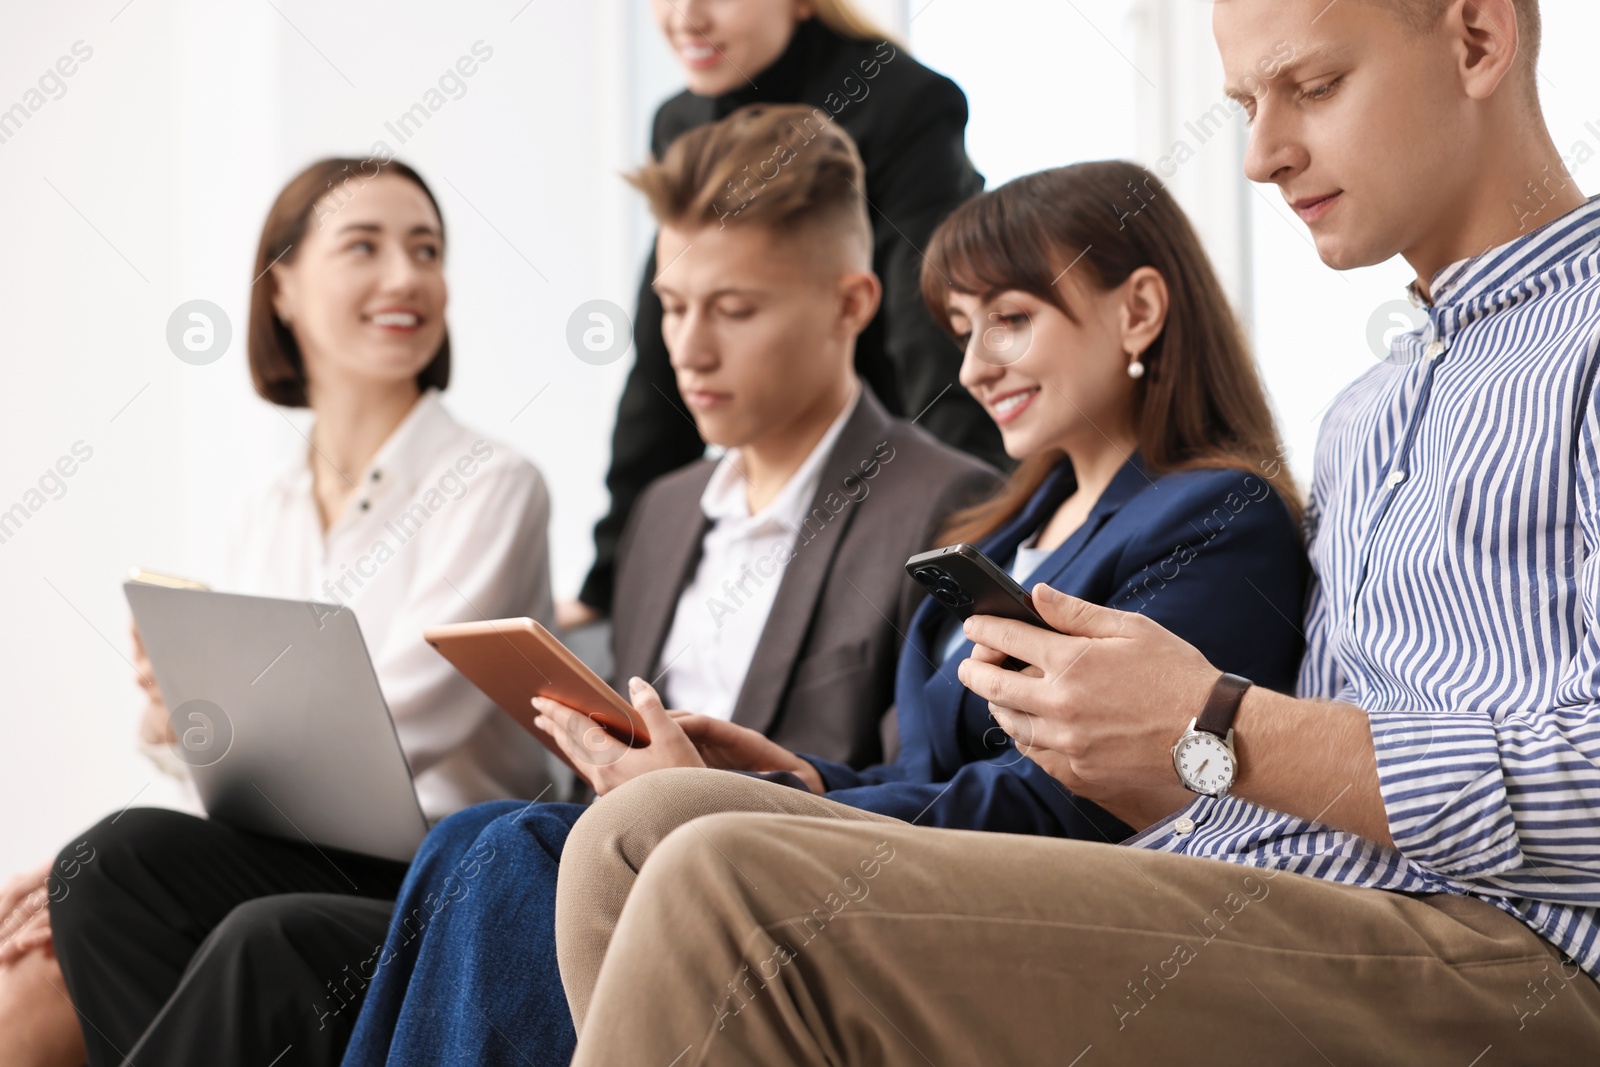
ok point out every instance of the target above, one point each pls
(1204, 756)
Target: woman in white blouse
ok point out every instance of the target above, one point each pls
(393, 508)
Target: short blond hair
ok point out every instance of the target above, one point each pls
(1423, 15)
(787, 168)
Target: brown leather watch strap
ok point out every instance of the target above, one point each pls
(1222, 705)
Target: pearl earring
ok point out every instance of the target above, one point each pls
(1136, 369)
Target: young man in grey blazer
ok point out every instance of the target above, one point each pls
(766, 586)
(817, 617)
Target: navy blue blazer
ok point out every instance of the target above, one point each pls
(1214, 556)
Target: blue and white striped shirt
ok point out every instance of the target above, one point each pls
(1455, 543)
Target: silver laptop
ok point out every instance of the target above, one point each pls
(279, 717)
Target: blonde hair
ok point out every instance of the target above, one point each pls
(789, 168)
(1424, 15)
(847, 20)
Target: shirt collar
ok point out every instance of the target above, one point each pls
(725, 500)
(403, 459)
(1499, 268)
(413, 448)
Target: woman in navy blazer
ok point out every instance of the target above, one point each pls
(957, 768)
(1186, 515)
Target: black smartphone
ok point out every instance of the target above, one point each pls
(967, 582)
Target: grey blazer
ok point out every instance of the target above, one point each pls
(822, 678)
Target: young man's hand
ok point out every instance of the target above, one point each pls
(1110, 694)
(731, 747)
(603, 760)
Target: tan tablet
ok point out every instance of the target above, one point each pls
(515, 660)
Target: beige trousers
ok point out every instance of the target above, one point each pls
(776, 927)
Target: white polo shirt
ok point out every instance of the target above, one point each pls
(724, 608)
(445, 526)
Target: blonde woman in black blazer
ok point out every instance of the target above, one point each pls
(909, 124)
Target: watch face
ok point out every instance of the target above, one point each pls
(1204, 763)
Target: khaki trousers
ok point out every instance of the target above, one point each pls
(774, 927)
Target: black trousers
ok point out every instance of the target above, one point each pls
(185, 941)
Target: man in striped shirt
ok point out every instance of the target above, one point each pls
(1400, 864)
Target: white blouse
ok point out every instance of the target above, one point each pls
(445, 526)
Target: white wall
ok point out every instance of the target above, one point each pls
(1047, 83)
(1118, 79)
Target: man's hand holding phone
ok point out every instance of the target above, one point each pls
(1113, 694)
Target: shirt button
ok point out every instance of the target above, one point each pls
(1434, 350)
(376, 475)
(366, 504)
(1394, 479)
(1183, 826)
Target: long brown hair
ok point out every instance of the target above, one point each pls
(276, 365)
(1200, 403)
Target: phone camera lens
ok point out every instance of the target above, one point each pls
(953, 594)
(944, 588)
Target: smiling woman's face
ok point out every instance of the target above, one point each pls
(721, 44)
(364, 291)
(1046, 380)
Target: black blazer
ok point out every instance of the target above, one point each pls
(909, 124)
(822, 677)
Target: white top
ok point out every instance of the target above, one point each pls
(724, 608)
(445, 526)
(1029, 556)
